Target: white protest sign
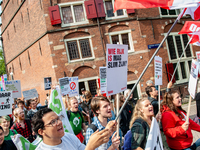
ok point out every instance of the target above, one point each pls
(29, 94)
(154, 140)
(15, 87)
(6, 101)
(64, 85)
(193, 78)
(73, 85)
(117, 61)
(158, 70)
(102, 74)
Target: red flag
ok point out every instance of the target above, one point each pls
(192, 29)
(138, 4)
(194, 12)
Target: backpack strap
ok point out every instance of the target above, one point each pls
(68, 114)
(13, 131)
(93, 127)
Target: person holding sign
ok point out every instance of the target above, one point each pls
(177, 130)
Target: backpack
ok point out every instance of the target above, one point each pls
(128, 136)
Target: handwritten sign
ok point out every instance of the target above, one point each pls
(64, 85)
(74, 88)
(193, 78)
(117, 61)
(6, 101)
(158, 70)
(102, 74)
(15, 87)
(29, 94)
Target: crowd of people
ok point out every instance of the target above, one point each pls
(92, 120)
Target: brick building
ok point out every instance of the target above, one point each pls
(57, 38)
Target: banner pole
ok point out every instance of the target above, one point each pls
(177, 19)
(158, 99)
(117, 102)
(180, 58)
(188, 112)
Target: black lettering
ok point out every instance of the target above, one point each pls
(117, 57)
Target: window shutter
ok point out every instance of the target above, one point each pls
(170, 71)
(100, 8)
(130, 11)
(54, 14)
(90, 9)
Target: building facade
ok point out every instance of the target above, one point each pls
(58, 38)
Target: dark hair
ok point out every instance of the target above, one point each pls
(168, 101)
(1, 128)
(47, 94)
(149, 89)
(95, 103)
(37, 121)
(20, 101)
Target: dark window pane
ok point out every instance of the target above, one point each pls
(73, 50)
(109, 9)
(189, 64)
(120, 12)
(125, 40)
(67, 15)
(185, 41)
(85, 48)
(179, 45)
(79, 14)
(164, 11)
(176, 74)
(183, 70)
(172, 12)
(115, 39)
(81, 85)
(170, 43)
(92, 86)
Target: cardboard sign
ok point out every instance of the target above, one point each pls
(47, 83)
(158, 70)
(6, 101)
(154, 140)
(193, 78)
(29, 94)
(117, 61)
(102, 74)
(73, 85)
(64, 85)
(15, 87)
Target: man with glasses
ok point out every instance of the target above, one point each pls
(21, 125)
(49, 126)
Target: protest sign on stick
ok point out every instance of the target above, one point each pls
(74, 87)
(6, 101)
(102, 74)
(29, 94)
(117, 61)
(15, 87)
(47, 83)
(64, 85)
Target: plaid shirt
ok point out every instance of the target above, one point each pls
(140, 132)
(25, 132)
(89, 132)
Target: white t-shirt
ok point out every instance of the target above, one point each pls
(69, 142)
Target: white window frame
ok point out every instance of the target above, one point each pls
(85, 80)
(71, 4)
(120, 39)
(115, 14)
(168, 16)
(78, 45)
(183, 59)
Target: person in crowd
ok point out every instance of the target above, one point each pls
(131, 102)
(20, 104)
(140, 123)
(98, 91)
(33, 110)
(6, 144)
(47, 99)
(37, 99)
(49, 127)
(125, 116)
(177, 130)
(5, 124)
(76, 119)
(22, 125)
(83, 94)
(101, 107)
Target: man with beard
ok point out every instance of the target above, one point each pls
(21, 125)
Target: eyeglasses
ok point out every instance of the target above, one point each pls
(55, 121)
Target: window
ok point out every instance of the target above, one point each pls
(79, 49)
(169, 13)
(73, 13)
(90, 84)
(175, 45)
(109, 5)
(122, 37)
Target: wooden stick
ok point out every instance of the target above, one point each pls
(117, 110)
(188, 112)
(158, 98)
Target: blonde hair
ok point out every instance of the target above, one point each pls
(137, 113)
(71, 98)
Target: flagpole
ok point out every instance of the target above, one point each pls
(177, 19)
(180, 58)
